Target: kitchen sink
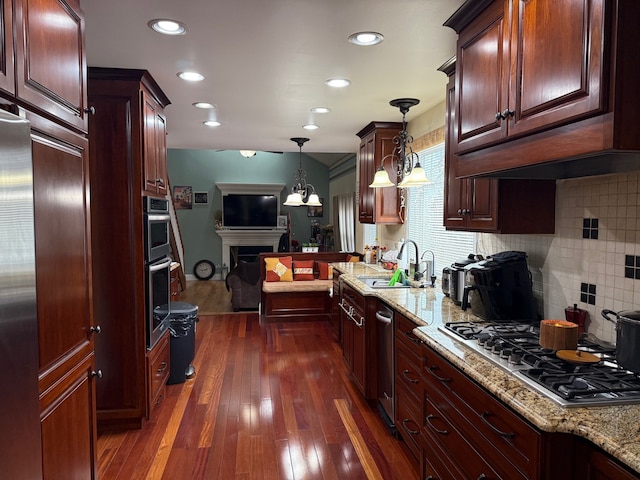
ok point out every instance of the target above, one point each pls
(380, 282)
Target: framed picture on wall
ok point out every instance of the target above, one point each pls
(201, 198)
(282, 221)
(315, 211)
(182, 197)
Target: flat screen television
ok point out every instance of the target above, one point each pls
(249, 211)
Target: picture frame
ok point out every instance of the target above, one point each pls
(201, 198)
(182, 197)
(316, 211)
(282, 221)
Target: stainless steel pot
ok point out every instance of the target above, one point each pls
(627, 337)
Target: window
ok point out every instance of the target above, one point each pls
(425, 207)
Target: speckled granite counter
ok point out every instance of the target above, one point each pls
(615, 429)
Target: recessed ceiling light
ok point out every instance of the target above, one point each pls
(338, 82)
(167, 27)
(212, 123)
(320, 110)
(310, 126)
(191, 76)
(366, 38)
(204, 105)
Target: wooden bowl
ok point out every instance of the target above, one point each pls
(558, 335)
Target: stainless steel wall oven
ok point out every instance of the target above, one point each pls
(157, 266)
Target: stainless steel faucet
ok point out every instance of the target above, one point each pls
(417, 274)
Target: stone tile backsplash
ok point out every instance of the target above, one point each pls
(597, 231)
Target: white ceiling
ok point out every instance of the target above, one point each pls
(265, 63)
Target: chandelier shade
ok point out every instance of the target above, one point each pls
(302, 193)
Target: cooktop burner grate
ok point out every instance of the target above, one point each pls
(515, 347)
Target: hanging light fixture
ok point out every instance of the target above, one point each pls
(302, 190)
(405, 161)
(247, 153)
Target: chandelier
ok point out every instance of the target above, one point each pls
(302, 190)
(404, 160)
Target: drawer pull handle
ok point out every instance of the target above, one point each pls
(485, 419)
(441, 432)
(163, 367)
(404, 374)
(412, 337)
(404, 423)
(432, 369)
(482, 476)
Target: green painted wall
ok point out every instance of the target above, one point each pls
(201, 169)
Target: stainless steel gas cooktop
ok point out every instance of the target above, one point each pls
(514, 347)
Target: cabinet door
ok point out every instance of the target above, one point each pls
(482, 201)
(389, 204)
(150, 144)
(69, 426)
(359, 365)
(51, 71)
(481, 88)
(63, 273)
(367, 196)
(559, 60)
(161, 150)
(6, 48)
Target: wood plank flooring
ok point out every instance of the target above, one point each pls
(267, 402)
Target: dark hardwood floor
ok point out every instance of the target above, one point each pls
(267, 402)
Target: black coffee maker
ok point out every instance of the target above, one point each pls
(500, 288)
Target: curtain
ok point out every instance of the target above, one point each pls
(346, 222)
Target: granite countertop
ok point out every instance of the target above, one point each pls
(615, 429)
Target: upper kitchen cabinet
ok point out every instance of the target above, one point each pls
(7, 83)
(490, 204)
(155, 145)
(380, 205)
(541, 82)
(50, 66)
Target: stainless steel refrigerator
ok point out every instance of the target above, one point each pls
(20, 438)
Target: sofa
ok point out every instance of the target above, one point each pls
(295, 299)
(244, 284)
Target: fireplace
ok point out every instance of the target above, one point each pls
(248, 238)
(246, 253)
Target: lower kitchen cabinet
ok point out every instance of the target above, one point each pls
(359, 347)
(409, 407)
(158, 370)
(597, 465)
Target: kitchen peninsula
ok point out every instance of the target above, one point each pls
(544, 439)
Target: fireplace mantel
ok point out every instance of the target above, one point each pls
(238, 237)
(250, 188)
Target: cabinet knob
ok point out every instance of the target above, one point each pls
(466, 211)
(499, 116)
(459, 211)
(482, 476)
(507, 113)
(90, 110)
(160, 181)
(96, 373)
(95, 329)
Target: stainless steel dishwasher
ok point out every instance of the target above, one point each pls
(386, 370)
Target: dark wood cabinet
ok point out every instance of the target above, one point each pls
(51, 72)
(158, 370)
(7, 72)
(119, 143)
(354, 327)
(64, 291)
(538, 84)
(408, 362)
(489, 204)
(380, 205)
(154, 146)
(594, 464)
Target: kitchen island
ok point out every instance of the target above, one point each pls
(614, 429)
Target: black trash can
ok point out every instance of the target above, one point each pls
(182, 327)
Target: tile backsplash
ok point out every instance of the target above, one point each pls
(590, 258)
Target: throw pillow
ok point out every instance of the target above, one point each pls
(278, 269)
(325, 270)
(353, 258)
(303, 270)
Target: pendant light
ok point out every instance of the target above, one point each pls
(302, 190)
(404, 160)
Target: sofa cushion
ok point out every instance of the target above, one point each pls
(353, 258)
(278, 269)
(303, 270)
(307, 286)
(325, 271)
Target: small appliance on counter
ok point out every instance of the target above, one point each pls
(503, 286)
(576, 315)
(457, 280)
(446, 281)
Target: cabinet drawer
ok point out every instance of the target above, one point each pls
(404, 333)
(158, 372)
(439, 431)
(408, 419)
(408, 372)
(501, 435)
